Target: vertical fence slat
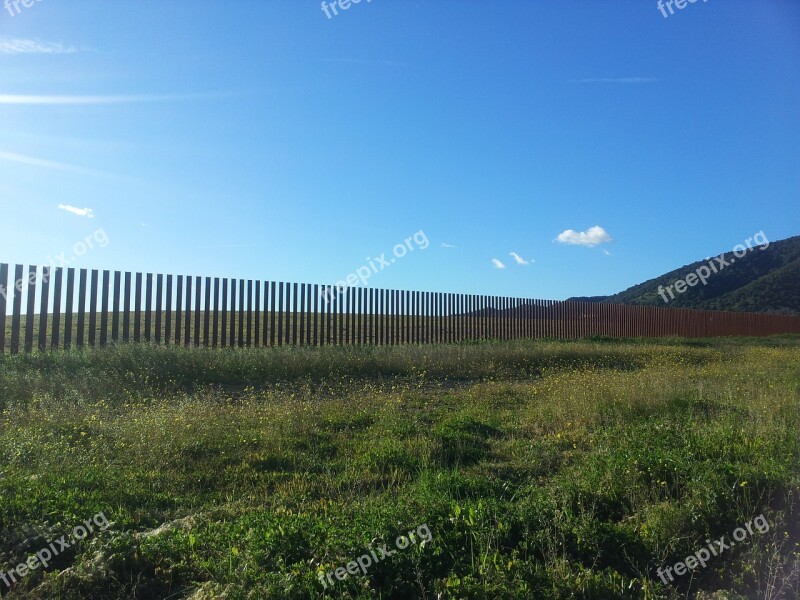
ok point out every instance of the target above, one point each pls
(137, 308)
(168, 313)
(56, 329)
(334, 307)
(68, 309)
(187, 313)
(30, 314)
(159, 306)
(397, 319)
(265, 325)
(272, 287)
(198, 291)
(232, 339)
(369, 319)
(389, 317)
(4, 291)
(434, 313)
(413, 313)
(178, 308)
(215, 320)
(148, 306)
(401, 316)
(207, 313)
(351, 303)
(104, 291)
(452, 318)
(248, 336)
(81, 307)
(294, 315)
(422, 317)
(396, 316)
(360, 319)
(224, 314)
(317, 319)
(427, 301)
(345, 334)
(257, 322)
(386, 312)
(381, 310)
(344, 311)
(375, 301)
(43, 309)
(302, 339)
(93, 307)
(241, 316)
(369, 324)
(306, 311)
(280, 313)
(115, 307)
(311, 309)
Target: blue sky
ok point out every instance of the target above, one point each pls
(266, 140)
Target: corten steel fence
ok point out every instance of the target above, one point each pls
(67, 308)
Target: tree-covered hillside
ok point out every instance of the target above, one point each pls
(763, 280)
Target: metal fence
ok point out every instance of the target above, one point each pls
(67, 308)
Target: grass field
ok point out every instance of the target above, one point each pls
(544, 469)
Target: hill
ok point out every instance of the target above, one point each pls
(760, 280)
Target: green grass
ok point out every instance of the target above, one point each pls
(545, 469)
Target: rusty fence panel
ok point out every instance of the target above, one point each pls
(270, 313)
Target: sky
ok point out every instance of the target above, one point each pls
(541, 149)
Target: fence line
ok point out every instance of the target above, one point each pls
(222, 312)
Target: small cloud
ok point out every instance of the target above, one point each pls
(615, 80)
(446, 245)
(497, 264)
(589, 238)
(22, 46)
(81, 212)
(519, 260)
(606, 252)
(32, 100)
(47, 164)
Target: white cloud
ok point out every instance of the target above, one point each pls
(606, 252)
(589, 238)
(47, 164)
(446, 245)
(497, 264)
(81, 212)
(29, 99)
(22, 46)
(519, 260)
